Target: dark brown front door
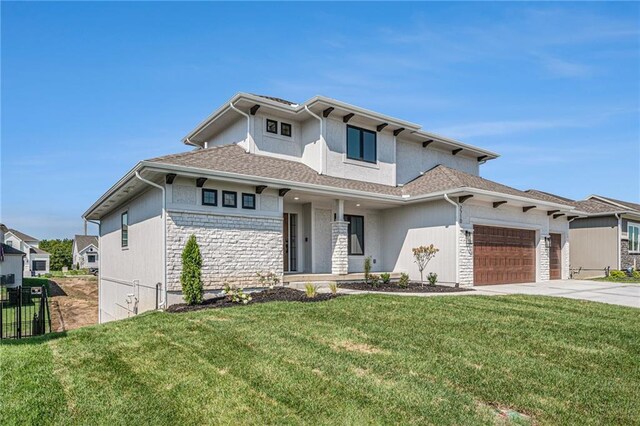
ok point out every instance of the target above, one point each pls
(285, 241)
(555, 257)
(503, 255)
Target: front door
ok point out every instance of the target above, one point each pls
(285, 241)
(289, 242)
(555, 257)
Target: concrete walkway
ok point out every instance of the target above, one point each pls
(612, 293)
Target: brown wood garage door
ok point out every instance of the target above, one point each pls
(503, 255)
(555, 256)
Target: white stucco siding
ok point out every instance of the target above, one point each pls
(136, 269)
(413, 159)
(321, 241)
(277, 145)
(310, 143)
(340, 166)
(12, 264)
(236, 133)
(372, 243)
(410, 226)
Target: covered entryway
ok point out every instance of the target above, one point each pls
(555, 257)
(503, 255)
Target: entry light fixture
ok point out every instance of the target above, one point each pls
(296, 198)
(357, 205)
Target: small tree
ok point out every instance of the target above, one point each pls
(191, 276)
(367, 269)
(422, 256)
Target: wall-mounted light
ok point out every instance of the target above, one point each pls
(357, 205)
(296, 198)
(468, 235)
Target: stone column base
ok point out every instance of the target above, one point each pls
(339, 248)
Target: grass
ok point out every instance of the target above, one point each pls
(353, 360)
(610, 279)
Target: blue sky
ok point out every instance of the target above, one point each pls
(89, 89)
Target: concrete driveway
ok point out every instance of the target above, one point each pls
(612, 293)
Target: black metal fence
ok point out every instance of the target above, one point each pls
(24, 312)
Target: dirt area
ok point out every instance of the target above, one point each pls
(281, 294)
(73, 302)
(413, 287)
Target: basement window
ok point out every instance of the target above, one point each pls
(633, 231)
(361, 144)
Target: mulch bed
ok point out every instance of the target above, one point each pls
(278, 294)
(414, 287)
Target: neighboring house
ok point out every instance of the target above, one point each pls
(11, 261)
(37, 260)
(314, 189)
(85, 251)
(606, 236)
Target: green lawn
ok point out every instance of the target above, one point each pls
(367, 359)
(628, 280)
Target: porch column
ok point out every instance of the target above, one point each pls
(339, 242)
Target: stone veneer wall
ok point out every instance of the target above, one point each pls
(627, 259)
(544, 260)
(466, 259)
(339, 248)
(233, 248)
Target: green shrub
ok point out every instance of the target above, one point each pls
(404, 280)
(36, 282)
(432, 278)
(367, 268)
(375, 280)
(617, 274)
(333, 287)
(236, 295)
(636, 274)
(311, 290)
(386, 277)
(270, 279)
(191, 276)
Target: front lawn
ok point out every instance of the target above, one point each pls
(610, 279)
(352, 360)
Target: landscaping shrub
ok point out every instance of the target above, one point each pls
(404, 280)
(422, 255)
(432, 278)
(311, 290)
(375, 280)
(269, 278)
(333, 287)
(385, 277)
(236, 295)
(617, 274)
(191, 276)
(367, 268)
(636, 274)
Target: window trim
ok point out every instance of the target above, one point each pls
(349, 248)
(266, 126)
(637, 226)
(123, 243)
(362, 132)
(246, 194)
(290, 129)
(215, 194)
(235, 199)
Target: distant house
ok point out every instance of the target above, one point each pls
(10, 262)
(605, 235)
(85, 251)
(37, 260)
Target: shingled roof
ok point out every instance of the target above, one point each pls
(7, 249)
(84, 241)
(23, 236)
(631, 206)
(280, 100)
(233, 159)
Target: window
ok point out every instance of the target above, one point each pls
(39, 265)
(361, 144)
(285, 129)
(272, 126)
(356, 234)
(249, 201)
(124, 229)
(633, 231)
(91, 258)
(209, 197)
(229, 199)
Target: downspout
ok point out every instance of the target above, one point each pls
(99, 268)
(188, 142)
(457, 207)
(164, 236)
(321, 139)
(619, 239)
(249, 147)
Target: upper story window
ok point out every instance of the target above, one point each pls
(249, 201)
(285, 129)
(209, 197)
(229, 199)
(272, 126)
(124, 229)
(361, 144)
(633, 231)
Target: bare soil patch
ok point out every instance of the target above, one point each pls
(278, 294)
(413, 287)
(73, 302)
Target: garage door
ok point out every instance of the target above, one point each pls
(503, 255)
(555, 256)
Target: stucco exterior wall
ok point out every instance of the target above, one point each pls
(321, 243)
(373, 246)
(12, 264)
(236, 132)
(594, 245)
(414, 225)
(413, 159)
(277, 145)
(129, 275)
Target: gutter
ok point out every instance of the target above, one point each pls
(457, 207)
(321, 140)
(618, 249)
(249, 139)
(164, 237)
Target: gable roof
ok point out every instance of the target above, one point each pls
(594, 204)
(271, 98)
(7, 249)
(22, 236)
(84, 241)
(36, 250)
(547, 196)
(613, 201)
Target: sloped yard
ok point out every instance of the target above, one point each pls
(352, 360)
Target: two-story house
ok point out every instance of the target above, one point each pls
(36, 261)
(85, 252)
(313, 189)
(11, 261)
